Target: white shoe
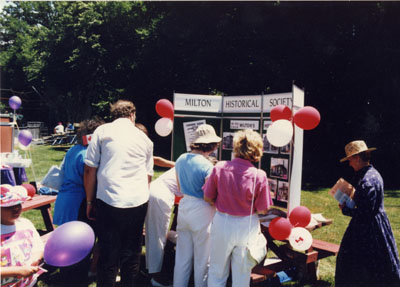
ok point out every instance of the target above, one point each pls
(154, 283)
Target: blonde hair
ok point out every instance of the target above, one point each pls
(248, 144)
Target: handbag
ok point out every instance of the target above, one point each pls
(256, 245)
(54, 177)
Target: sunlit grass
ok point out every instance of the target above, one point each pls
(318, 201)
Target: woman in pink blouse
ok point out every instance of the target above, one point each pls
(230, 189)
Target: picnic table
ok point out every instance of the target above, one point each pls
(42, 203)
(287, 258)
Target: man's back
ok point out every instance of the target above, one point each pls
(124, 157)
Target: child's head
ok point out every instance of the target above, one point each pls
(11, 199)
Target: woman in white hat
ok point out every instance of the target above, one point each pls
(368, 254)
(195, 215)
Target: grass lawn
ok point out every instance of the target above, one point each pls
(318, 201)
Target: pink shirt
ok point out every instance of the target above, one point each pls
(231, 185)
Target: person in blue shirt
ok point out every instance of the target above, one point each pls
(72, 193)
(195, 215)
(70, 204)
(70, 127)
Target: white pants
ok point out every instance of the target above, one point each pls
(193, 245)
(157, 223)
(229, 236)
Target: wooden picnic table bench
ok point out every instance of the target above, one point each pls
(42, 203)
(288, 258)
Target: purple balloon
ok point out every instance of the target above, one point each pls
(25, 137)
(14, 102)
(69, 244)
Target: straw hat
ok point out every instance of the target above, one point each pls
(205, 134)
(355, 147)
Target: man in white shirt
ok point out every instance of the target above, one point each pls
(119, 161)
(59, 128)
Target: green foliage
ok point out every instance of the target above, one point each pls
(83, 55)
(77, 53)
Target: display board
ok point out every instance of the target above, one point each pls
(228, 114)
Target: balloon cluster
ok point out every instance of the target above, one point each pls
(25, 136)
(68, 244)
(165, 110)
(293, 228)
(281, 130)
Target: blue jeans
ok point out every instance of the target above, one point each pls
(120, 233)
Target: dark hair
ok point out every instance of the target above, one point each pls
(87, 127)
(142, 128)
(204, 147)
(122, 109)
(365, 156)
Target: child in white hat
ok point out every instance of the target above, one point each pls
(21, 246)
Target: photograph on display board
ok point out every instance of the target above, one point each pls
(227, 140)
(279, 168)
(189, 129)
(283, 191)
(273, 186)
(286, 149)
(268, 147)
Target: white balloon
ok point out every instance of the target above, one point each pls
(24, 147)
(280, 133)
(163, 127)
(300, 239)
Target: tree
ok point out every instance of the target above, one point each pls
(79, 55)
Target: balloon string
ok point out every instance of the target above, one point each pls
(28, 151)
(33, 170)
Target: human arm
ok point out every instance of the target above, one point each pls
(367, 197)
(159, 161)
(210, 187)
(37, 258)
(18, 271)
(263, 199)
(89, 182)
(149, 177)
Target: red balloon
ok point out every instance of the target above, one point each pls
(280, 228)
(300, 216)
(30, 189)
(165, 109)
(307, 118)
(281, 112)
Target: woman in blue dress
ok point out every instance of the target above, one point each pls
(368, 253)
(72, 192)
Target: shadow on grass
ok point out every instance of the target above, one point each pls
(61, 148)
(392, 193)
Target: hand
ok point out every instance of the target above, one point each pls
(38, 261)
(25, 271)
(341, 205)
(91, 212)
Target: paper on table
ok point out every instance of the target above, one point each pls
(319, 217)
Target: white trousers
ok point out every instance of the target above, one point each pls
(157, 223)
(229, 236)
(193, 244)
